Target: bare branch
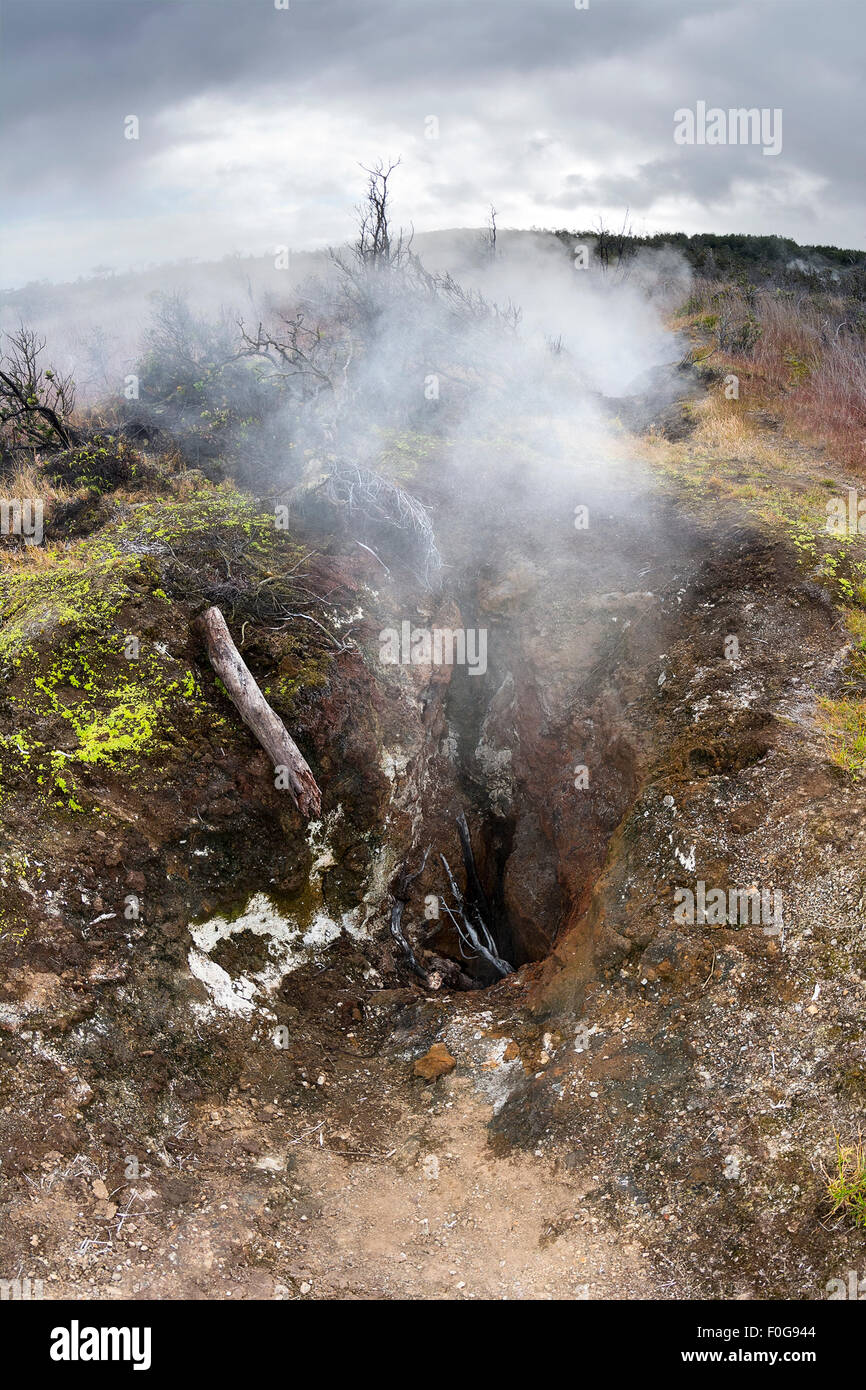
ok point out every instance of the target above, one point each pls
(35, 401)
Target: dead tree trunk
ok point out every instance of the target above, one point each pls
(257, 714)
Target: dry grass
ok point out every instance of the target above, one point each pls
(843, 723)
(804, 359)
(846, 1187)
(731, 458)
(818, 372)
(28, 481)
(724, 427)
(31, 557)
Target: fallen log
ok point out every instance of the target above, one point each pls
(257, 714)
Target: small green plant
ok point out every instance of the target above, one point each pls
(798, 367)
(846, 1188)
(803, 539)
(843, 723)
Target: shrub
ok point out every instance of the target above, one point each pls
(103, 463)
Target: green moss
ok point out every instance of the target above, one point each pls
(63, 630)
(128, 727)
(100, 464)
(301, 669)
(79, 705)
(9, 930)
(403, 452)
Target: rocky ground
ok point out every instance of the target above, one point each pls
(213, 1050)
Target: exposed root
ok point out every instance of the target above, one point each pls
(368, 495)
(401, 897)
(469, 924)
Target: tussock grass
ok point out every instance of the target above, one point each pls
(803, 357)
(724, 426)
(846, 1187)
(843, 722)
(29, 481)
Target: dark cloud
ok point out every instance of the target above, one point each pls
(253, 119)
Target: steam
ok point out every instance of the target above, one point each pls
(526, 340)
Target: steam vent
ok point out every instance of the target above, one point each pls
(432, 671)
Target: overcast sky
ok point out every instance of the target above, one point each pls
(253, 120)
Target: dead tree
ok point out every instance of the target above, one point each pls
(473, 882)
(442, 971)
(296, 352)
(379, 258)
(489, 237)
(260, 719)
(375, 248)
(611, 248)
(35, 401)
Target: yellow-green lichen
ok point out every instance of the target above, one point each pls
(85, 640)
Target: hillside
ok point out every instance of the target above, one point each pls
(230, 1066)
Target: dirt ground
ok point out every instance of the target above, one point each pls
(299, 1221)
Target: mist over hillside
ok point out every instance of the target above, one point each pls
(96, 325)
